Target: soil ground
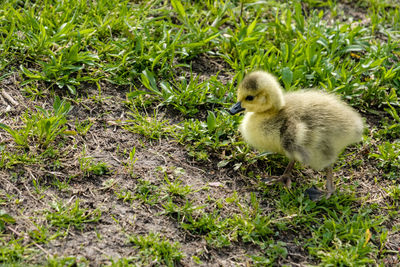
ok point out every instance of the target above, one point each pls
(106, 240)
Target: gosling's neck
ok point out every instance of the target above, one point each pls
(270, 112)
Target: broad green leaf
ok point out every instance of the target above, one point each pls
(251, 27)
(136, 93)
(211, 121)
(299, 18)
(148, 80)
(177, 5)
(353, 48)
(5, 218)
(6, 128)
(287, 77)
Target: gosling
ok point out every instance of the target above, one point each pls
(311, 127)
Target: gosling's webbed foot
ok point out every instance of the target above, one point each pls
(314, 193)
(285, 179)
(271, 180)
(329, 194)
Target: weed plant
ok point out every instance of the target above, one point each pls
(66, 216)
(42, 127)
(156, 249)
(35, 138)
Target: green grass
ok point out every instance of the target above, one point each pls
(145, 191)
(38, 136)
(177, 63)
(66, 261)
(147, 125)
(156, 250)
(41, 128)
(89, 167)
(71, 214)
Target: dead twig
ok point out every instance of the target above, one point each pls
(12, 185)
(8, 107)
(35, 198)
(9, 98)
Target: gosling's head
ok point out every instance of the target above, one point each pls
(258, 92)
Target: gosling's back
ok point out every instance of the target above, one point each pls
(318, 127)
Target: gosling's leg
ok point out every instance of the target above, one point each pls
(285, 178)
(330, 186)
(315, 194)
(287, 174)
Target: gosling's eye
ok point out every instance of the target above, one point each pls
(249, 98)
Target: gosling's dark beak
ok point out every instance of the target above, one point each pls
(236, 108)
